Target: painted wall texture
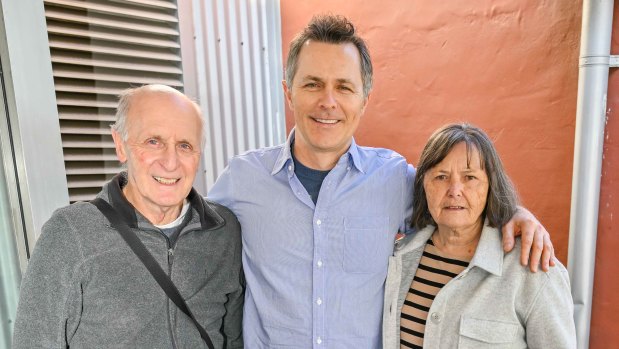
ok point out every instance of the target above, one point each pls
(605, 312)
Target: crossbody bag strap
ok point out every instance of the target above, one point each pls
(151, 264)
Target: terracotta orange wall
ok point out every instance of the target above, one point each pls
(605, 312)
(508, 66)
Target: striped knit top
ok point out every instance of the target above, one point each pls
(434, 271)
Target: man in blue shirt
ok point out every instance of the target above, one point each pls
(319, 214)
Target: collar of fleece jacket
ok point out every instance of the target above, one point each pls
(209, 219)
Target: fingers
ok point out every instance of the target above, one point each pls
(508, 236)
(536, 245)
(527, 239)
(537, 249)
(548, 256)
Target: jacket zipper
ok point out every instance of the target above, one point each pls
(170, 257)
(170, 262)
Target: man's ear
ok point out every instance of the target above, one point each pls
(365, 103)
(287, 94)
(120, 146)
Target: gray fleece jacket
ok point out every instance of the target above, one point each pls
(85, 288)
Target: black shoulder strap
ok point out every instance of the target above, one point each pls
(151, 264)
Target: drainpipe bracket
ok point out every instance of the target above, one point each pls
(593, 60)
(614, 61)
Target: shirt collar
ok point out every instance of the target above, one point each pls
(355, 156)
(209, 218)
(285, 156)
(489, 253)
(414, 240)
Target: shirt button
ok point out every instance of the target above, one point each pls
(319, 264)
(319, 301)
(348, 168)
(318, 340)
(435, 317)
(289, 167)
(318, 222)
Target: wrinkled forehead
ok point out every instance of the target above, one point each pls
(162, 99)
(165, 111)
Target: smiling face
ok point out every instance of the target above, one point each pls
(457, 190)
(327, 100)
(162, 153)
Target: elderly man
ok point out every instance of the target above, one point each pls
(85, 288)
(320, 213)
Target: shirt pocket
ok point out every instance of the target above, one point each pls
(482, 333)
(367, 244)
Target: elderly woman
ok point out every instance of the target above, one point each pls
(450, 285)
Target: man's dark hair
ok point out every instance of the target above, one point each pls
(331, 29)
(502, 200)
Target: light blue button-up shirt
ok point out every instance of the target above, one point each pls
(315, 273)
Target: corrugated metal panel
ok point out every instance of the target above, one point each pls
(239, 68)
(98, 48)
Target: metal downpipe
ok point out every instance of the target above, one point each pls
(596, 31)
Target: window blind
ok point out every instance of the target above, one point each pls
(98, 48)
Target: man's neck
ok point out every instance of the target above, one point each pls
(157, 215)
(317, 160)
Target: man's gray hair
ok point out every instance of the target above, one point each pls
(126, 98)
(330, 29)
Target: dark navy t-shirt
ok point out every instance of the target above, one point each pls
(310, 178)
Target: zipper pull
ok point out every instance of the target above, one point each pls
(170, 256)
